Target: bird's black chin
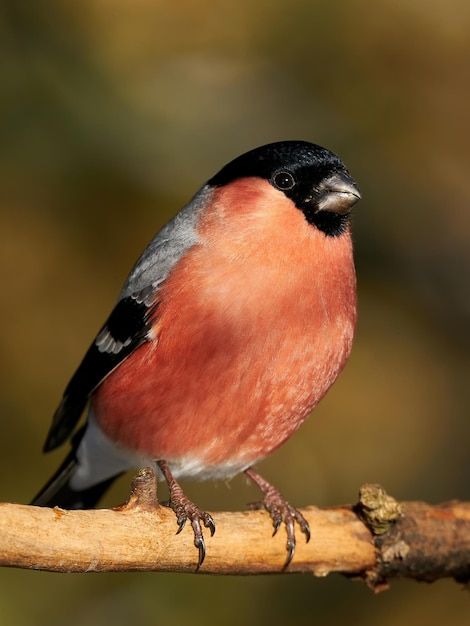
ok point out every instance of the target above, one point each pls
(332, 224)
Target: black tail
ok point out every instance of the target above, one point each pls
(57, 491)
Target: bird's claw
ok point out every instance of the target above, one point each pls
(198, 534)
(277, 521)
(185, 509)
(281, 512)
(181, 521)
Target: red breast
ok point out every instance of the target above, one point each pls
(252, 327)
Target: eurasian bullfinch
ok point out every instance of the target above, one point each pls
(230, 328)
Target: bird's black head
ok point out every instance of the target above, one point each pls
(314, 178)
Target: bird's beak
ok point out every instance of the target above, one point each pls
(337, 194)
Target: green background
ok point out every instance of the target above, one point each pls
(112, 114)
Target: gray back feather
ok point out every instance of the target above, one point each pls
(166, 248)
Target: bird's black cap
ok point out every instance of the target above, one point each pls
(314, 178)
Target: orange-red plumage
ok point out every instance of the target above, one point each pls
(229, 330)
(252, 327)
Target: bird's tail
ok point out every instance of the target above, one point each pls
(57, 491)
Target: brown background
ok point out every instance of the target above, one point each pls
(112, 114)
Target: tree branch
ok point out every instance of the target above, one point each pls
(376, 540)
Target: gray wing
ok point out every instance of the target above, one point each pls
(167, 248)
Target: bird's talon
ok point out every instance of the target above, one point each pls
(305, 528)
(209, 523)
(277, 524)
(290, 553)
(184, 510)
(302, 522)
(201, 546)
(181, 524)
(281, 512)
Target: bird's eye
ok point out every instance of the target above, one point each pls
(283, 181)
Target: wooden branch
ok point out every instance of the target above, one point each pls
(376, 540)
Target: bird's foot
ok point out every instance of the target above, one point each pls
(185, 509)
(281, 512)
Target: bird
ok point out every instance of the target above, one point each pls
(230, 328)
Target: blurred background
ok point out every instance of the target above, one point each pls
(112, 114)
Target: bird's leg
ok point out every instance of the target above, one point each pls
(280, 511)
(185, 509)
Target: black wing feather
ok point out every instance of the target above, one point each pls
(125, 330)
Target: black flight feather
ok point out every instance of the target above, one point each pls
(125, 330)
